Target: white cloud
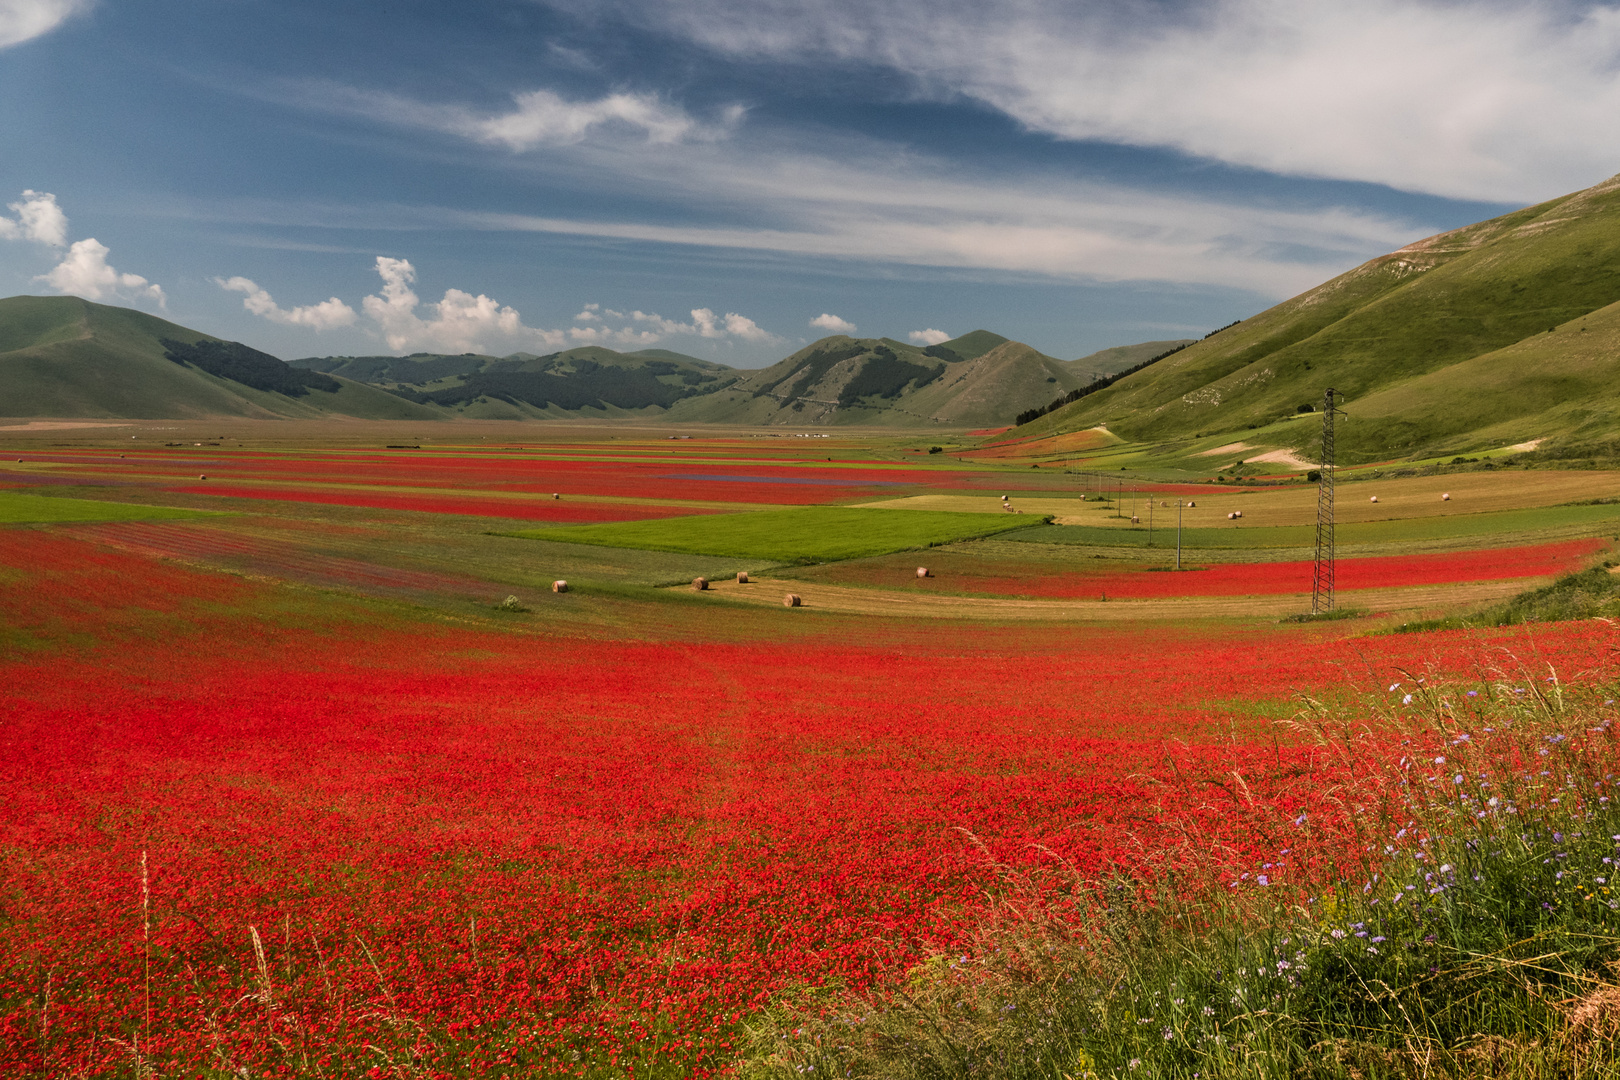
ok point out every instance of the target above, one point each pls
(929, 337)
(1503, 100)
(537, 118)
(460, 322)
(833, 323)
(39, 219)
(84, 272)
(326, 315)
(24, 20)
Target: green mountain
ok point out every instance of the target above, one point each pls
(61, 356)
(970, 381)
(526, 386)
(1493, 335)
(1106, 362)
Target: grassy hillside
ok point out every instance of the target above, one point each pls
(1436, 346)
(1106, 362)
(527, 386)
(867, 381)
(61, 356)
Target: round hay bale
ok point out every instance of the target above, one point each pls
(1192, 506)
(790, 600)
(1237, 513)
(559, 586)
(922, 571)
(1136, 520)
(556, 494)
(742, 577)
(1231, 517)
(1446, 497)
(1375, 498)
(204, 476)
(700, 584)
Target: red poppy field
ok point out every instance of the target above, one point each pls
(258, 822)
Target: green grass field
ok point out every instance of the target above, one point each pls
(20, 508)
(809, 534)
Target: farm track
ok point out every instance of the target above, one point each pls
(853, 601)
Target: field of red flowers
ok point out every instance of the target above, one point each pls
(254, 830)
(516, 509)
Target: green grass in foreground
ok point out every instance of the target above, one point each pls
(21, 508)
(1467, 926)
(808, 534)
(1586, 594)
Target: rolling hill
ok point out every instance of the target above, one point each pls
(61, 356)
(970, 381)
(526, 386)
(1498, 334)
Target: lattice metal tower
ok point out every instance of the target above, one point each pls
(1322, 578)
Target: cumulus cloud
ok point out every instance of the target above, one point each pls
(326, 315)
(833, 323)
(460, 322)
(38, 218)
(1502, 100)
(84, 272)
(929, 337)
(24, 20)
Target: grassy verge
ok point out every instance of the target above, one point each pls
(21, 508)
(1465, 922)
(1588, 594)
(809, 534)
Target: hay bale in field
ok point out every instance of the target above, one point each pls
(1375, 498)
(556, 494)
(790, 600)
(700, 584)
(559, 586)
(923, 571)
(1446, 497)
(1237, 513)
(204, 476)
(742, 577)
(1192, 505)
(1231, 516)
(1135, 520)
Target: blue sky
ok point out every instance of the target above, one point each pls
(735, 178)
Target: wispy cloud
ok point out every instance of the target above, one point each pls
(24, 20)
(537, 118)
(1500, 100)
(327, 315)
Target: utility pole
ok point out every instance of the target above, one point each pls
(1322, 576)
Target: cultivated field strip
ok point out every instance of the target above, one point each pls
(275, 559)
(851, 601)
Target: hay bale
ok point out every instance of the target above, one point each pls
(204, 476)
(923, 571)
(790, 600)
(559, 586)
(556, 494)
(1231, 517)
(700, 584)
(1237, 513)
(1136, 520)
(1192, 505)
(1446, 497)
(1375, 498)
(742, 577)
